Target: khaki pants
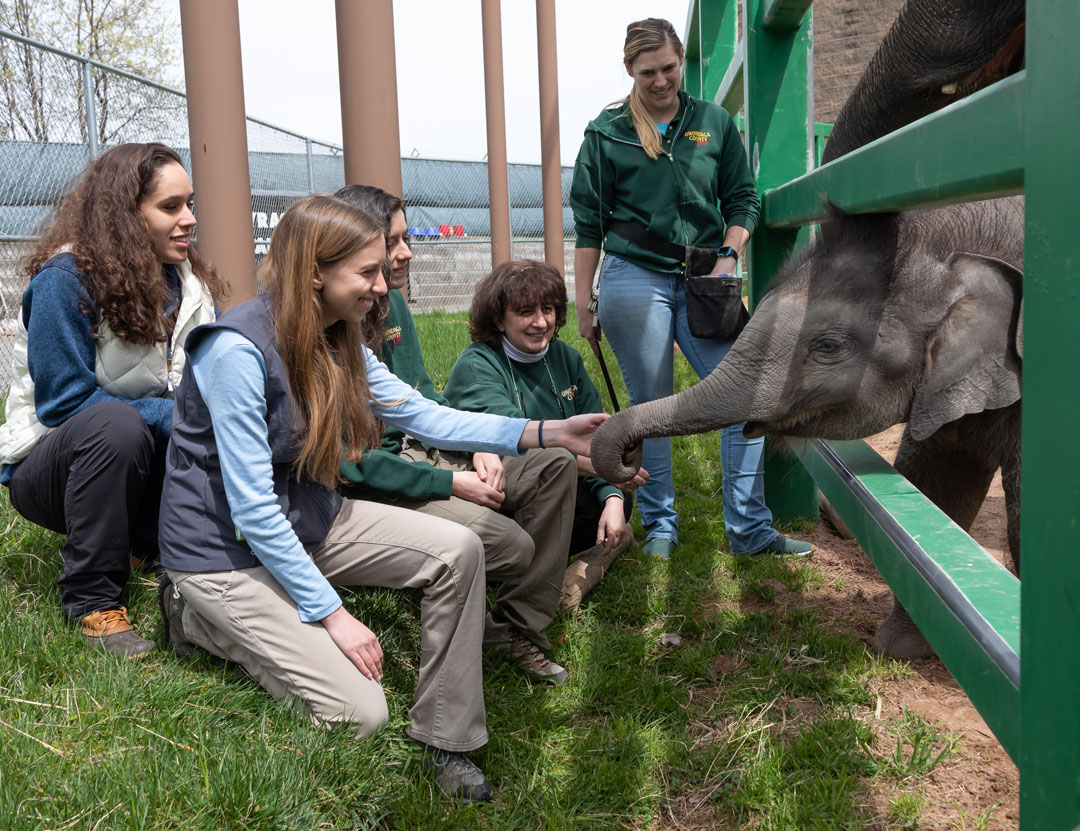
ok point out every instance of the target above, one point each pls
(527, 542)
(245, 616)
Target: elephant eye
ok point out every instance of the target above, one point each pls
(831, 347)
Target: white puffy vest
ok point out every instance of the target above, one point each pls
(123, 369)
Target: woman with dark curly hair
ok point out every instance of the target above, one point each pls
(516, 367)
(115, 288)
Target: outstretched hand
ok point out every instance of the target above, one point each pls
(357, 642)
(574, 433)
(640, 478)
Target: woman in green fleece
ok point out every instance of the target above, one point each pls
(649, 176)
(516, 366)
(521, 510)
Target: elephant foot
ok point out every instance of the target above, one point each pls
(898, 637)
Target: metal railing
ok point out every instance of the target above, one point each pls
(51, 128)
(1015, 136)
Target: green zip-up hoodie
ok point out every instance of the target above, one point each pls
(484, 380)
(382, 474)
(675, 195)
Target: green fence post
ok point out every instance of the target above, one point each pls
(1050, 586)
(711, 32)
(779, 137)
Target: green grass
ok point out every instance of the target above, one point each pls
(752, 719)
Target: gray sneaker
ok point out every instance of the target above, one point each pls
(171, 603)
(455, 774)
(522, 652)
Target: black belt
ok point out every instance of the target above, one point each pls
(694, 258)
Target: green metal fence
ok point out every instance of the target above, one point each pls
(1020, 135)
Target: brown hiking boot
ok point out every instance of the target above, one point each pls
(522, 653)
(111, 631)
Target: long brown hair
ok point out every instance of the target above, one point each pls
(514, 285)
(325, 367)
(647, 36)
(100, 223)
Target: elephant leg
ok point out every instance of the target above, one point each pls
(952, 472)
(1010, 483)
(898, 637)
(952, 467)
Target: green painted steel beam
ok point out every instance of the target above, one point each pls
(1050, 482)
(785, 15)
(729, 92)
(711, 32)
(777, 78)
(973, 149)
(964, 601)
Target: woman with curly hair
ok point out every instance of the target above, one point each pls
(115, 288)
(516, 366)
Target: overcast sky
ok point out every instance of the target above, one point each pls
(290, 69)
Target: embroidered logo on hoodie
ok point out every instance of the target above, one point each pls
(698, 137)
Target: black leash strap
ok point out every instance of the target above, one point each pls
(603, 368)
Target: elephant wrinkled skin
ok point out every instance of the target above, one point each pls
(888, 318)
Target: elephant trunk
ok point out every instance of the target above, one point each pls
(717, 401)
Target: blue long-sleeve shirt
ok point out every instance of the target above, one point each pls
(61, 352)
(231, 376)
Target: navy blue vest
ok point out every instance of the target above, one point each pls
(196, 531)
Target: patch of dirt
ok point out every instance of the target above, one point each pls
(976, 787)
(980, 780)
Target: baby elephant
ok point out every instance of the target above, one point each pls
(889, 318)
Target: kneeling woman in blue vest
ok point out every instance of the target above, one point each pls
(253, 534)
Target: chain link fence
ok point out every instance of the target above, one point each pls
(59, 110)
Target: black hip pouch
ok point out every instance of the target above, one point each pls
(714, 306)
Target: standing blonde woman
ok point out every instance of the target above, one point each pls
(115, 288)
(254, 535)
(649, 176)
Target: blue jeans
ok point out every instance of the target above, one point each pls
(642, 313)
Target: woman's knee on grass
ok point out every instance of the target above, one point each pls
(361, 707)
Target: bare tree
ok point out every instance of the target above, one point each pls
(42, 94)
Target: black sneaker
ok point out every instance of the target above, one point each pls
(455, 774)
(171, 603)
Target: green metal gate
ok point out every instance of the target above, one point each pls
(1021, 135)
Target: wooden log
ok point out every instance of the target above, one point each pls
(586, 571)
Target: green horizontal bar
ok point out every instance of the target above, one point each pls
(785, 15)
(953, 584)
(729, 94)
(973, 149)
(821, 129)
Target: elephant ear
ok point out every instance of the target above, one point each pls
(972, 361)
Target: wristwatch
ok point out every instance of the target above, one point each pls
(727, 251)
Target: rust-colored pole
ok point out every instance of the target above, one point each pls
(498, 177)
(550, 165)
(218, 136)
(367, 77)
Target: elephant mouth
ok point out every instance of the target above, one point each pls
(801, 425)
